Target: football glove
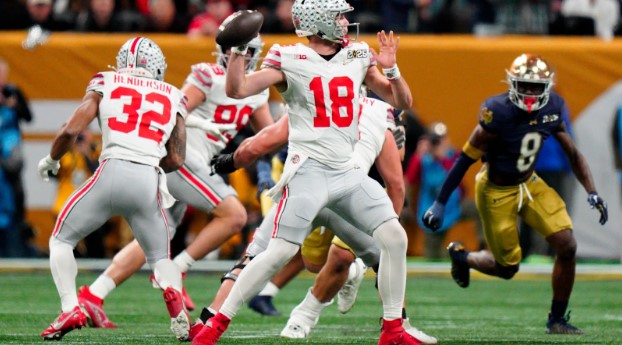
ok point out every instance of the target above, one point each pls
(222, 164)
(433, 217)
(212, 128)
(47, 165)
(264, 177)
(600, 204)
(399, 134)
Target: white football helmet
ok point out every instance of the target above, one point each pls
(321, 18)
(531, 79)
(255, 48)
(142, 57)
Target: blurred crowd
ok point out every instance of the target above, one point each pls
(202, 17)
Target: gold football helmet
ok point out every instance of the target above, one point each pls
(531, 79)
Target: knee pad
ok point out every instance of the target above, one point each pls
(238, 265)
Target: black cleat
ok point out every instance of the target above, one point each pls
(263, 305)
(459, 267)
(561, 326)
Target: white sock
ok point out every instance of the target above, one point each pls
(269, 290)
(184, 261)
(167, 274)
(391, 239)
(257, 274)
(309, 310)
(64, 271)
(102, 286)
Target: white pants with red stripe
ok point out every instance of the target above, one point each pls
(123, 188)
(193, 185)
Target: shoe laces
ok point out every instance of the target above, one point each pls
(563, 321)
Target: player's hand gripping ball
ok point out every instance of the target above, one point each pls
(239, 28)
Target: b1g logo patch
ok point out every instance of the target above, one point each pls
(357, 54)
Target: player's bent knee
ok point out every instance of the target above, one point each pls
(391, 236)
(507, 272)
(232, 209)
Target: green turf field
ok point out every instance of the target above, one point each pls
(488, 312)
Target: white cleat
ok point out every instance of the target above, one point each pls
(295, 330)
(422, 337)
(347, 295)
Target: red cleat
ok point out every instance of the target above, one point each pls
(180, 319)
(212, 330)
(187, 300)
(195, 329)
(64, 324)
(94, 308)
(394, 334)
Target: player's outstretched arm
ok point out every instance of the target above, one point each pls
(79, 120)
(582, 171)
(266, 141)
(472, 151)
(389, 85)
(240, 85)
(389, 166)
(175, 147)
(66, 137)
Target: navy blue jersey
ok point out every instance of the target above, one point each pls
(519, 134)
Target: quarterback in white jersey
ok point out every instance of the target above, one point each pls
(142, 123)
(193, 183)
(320, 83)
(377, 145)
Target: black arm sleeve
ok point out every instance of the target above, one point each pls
(457, 171)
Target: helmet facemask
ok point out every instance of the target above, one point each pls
(253, 54)
(530, 79)
(323, 18)
(141, 57)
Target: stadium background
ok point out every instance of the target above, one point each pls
(449, 77)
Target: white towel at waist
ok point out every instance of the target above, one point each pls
(166, 198)
(293, 162)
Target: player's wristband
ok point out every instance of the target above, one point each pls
(240, 50)
(50, 160)
(392, 73)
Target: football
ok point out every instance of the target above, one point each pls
(239, 28)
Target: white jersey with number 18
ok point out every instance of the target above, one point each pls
(322, 98)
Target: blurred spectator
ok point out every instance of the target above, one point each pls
(101, 16)
(553, 167)
(444, 16)
(396, 15)
(206, 23)
(13, 15)
(165, 15)
(15, 232)
(280, 20)
(425, 175)
(40, 13)
(588, 17)
(525, 17)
